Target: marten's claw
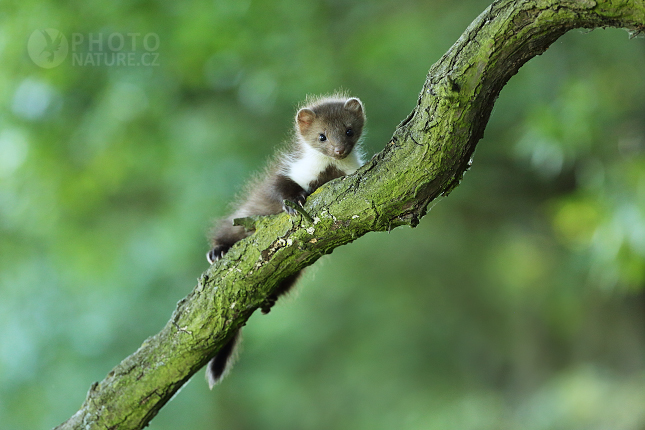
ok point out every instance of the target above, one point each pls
(216, 253)
(288, 209)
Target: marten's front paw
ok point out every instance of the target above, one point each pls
(289, 210)
(216, 253)
(298, 199)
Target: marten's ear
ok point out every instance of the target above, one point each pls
(354, 104)
(305, 118)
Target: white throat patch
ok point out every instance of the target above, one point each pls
(311, 163)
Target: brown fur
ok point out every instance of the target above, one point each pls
(331, 126)
(331, 116)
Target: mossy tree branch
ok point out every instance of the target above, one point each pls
(426, 157)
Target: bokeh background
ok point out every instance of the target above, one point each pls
(517, 303)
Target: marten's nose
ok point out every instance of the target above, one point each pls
(339, 151)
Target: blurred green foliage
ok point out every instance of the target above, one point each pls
(516, 304)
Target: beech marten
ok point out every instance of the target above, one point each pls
(325, 146)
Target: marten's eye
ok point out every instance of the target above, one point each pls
(322, 137)
(349, 132)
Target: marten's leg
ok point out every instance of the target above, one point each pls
(283, 289)
(286, 188)
(223, 238)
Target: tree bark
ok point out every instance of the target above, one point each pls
(426, 158)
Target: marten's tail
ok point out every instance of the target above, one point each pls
(221, 364)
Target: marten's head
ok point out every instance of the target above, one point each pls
(333, 126)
